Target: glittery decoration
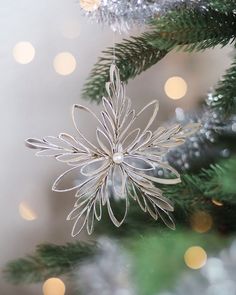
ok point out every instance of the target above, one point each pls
(110, 271)
(203, 147)
(121, 164)
(121, 15)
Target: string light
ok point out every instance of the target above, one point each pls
(195, 257)
(26, 212)
(217, 203)
(23, 52)
(54, 286)
(64, 63)
(90, 5)
(176, 87)
(201, 222)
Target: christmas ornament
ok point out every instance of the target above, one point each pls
(122, 14)
(121, 165)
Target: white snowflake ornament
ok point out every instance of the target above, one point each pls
(121, 165)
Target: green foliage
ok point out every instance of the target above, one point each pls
(185, 29)
(229, 178)
(193, 30)
(132, 57)
(224, 98)
(196, 189)
(49, 260)
(159, 259)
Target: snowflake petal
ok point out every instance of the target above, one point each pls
(70, 180)
(98, 207)
(50, 152)
(130, 139)
(73, 158)
(141, 142)
(104, 142)
(138, 163)
(166, 218)
(75, 115)
(152, 107)
(111, 213)
(95, 167)
(35, 143)
(119, 182)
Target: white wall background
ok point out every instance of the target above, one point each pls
(36, 101)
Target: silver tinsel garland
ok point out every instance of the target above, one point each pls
(204, 146)
(108, 273)
(121, 15)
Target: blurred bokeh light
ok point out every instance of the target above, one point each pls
(176, 87)
(54, 286)
(195, 257)
(26, 212)
(201, 222)
(23, 52)
(64, 63)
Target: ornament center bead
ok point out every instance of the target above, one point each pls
(118, 158)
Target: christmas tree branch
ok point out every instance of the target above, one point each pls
(49, 260)
(224, 96)
(186, 29)
(194, 30)
(131, 56)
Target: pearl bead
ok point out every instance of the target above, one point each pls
(118, 158)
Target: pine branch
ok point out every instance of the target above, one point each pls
(186, 29)
(198, 189)
(194, 30)
(224, 97)
(49, 260)
(132, 58)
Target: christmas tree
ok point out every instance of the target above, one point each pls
(141, 255)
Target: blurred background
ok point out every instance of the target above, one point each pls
(47, 49)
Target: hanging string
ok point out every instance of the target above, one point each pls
(114, 48)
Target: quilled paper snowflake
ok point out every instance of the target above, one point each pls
(122, 163)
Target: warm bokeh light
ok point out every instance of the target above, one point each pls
(23, 52)
(71, 29)
(54, 286)
(176, 87)
(90, 5)
(195, 257)
(64, 63)
(217, 203)
(26, 212)
(201, 222)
